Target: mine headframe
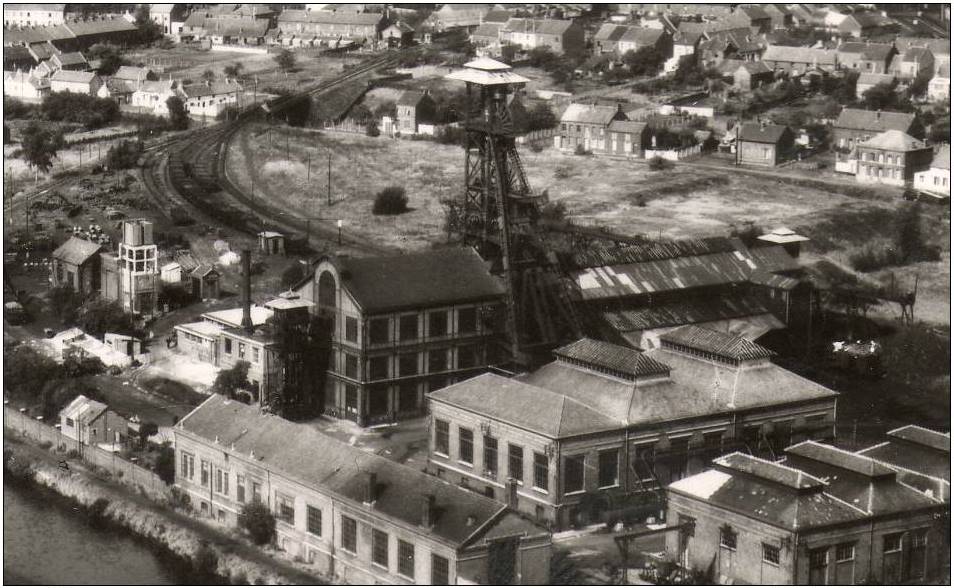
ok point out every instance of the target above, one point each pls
(499, 213)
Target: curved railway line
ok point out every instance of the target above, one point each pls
(186, 177)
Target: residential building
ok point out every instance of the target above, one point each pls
(76, 265)
(92, 423)
(764, 144)
(25, 86)
(780, 15)
(939, 88)
(866, 57)
(33, 15)
(912, 63)
(331, 27)
(937, 178)
(627, 137)
(77, 82)
(131, 275)
(620, 39)
(699, 104)
(355, 517)
(404, 325)
(584, 126)
(597, 432)
(210, 99)
(399, 34)
(683, 44)
(168, 16)
(866, 81)
(73, 61)
(452, 16)
(921, 457)
(824, 516)
(560, 36)
(854, 125)
(798, 60)
(134, 74)
(152, 96)
(755, 17)
(861, 24)
(892, 158)
(413, 109)
(487, 34)
(751, 75)
(737, 43)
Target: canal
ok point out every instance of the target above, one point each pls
(46, 542)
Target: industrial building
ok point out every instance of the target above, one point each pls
(131, 275)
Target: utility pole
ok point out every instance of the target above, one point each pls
(329, 177)
(308, 177)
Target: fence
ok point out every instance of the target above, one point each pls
(345, 126)
(537, 136)
(674, 154)
(122, 470)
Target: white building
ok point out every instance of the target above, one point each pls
(939, 88)
(209, 98)
(77, 82)
(33, 15)
(24, 85)
(937, 178)
(152, 96)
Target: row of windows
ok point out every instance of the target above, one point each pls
(380, 554)
(574, 471)
(465, 455)
(408, 326)
(409, 364)
(255, 354)
(877, 172)
(881, 158)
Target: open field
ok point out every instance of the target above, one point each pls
(621, 195)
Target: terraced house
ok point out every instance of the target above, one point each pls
(600, 430)
(562, 37)
(403, 325)
(356, 517)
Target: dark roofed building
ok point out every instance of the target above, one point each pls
(921, 456)
(562, 37)
(415, 108)
(855, 125)
(764, 144)
(353, 514)
(866, 57)
(76, 265)
(17, 58)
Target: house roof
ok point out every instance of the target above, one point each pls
(16, 53)
(609, 32)
(232, 317)
(157, 87)
(100, 26)
(685, 312)
(330, 17)
(83, 410)
(42, 51)
(641, 35)
(917, 457)
(537, 26)
(498, 16)
(759, 133)
(937, 46)
(800, 55)
(867, 51)
(627, 126)
(894, 141)
(410, 98)
(202, 271)
(132, 73)
(873, 79)
(76, 251)
(923, 436)
(73, 58)
(317, 460)
(916, 54)
(40, 7)
(755, 67)
(942, 159)
(488, 29)
(418, 280)
(874, 121)
(718, 343)
(589, 114)
(603, 356)
(840, 458)
(81, 77)
(215, 88)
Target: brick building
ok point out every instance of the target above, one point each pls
(354, 516)
(601, 429)
(892, 158)
(764, 144)
(586, 126)
(413, 109)
(560, 36)
(404, 325)
(855, 124)
(76, 264)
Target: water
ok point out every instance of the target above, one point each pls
(44, 542)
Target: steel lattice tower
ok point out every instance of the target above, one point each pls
(499, 212)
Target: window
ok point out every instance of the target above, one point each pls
(378, 367)
(187, 469)
(515, 462)
(203, 472)
(437, 360)
(845, 552)
(351, 329)
(351, 366)
(490, 455)
(286, 508)
(467, 320)
(440, 571)
(407, 329)
(407, 364)
(379, 547)
(465, 452)
(69, 422)
(728, 538)
(240, 488)
(441, 437)
(406, 559)
(221, 482)
(541, 471)
(255, 353)
(466, 356)
(770, 554)
(349, 534)
(351, 398)
(313, 520)
(919, 539)
(818, 558)
(644, 456)
(228, 347)
(573, 473)
(609, 468)
(378, 331)
(256, 492)
(437, 324)
(892, 542)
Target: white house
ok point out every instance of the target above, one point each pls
(24, 85)
(77, 82)
(210, 98)
(152, 96)
(939, 88)
(937, 178)
(33, 15)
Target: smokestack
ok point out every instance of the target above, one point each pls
(428, 502)
(370, 490)
(247, 291)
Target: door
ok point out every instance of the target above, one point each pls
(818, 567)
(502, 562)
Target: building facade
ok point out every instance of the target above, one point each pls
(33, 15)
(77, 82)
(560, 36)
(76, 265)
(403, 326)
(413, 109)
(892, 158)
(937, 178)
(131, 275)
(356, 517)
(855, 125)
(764, 144)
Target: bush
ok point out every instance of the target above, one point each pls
(391, 200)
(536, 147)
(90, 111)
(96, 512)
(873, 258)
(581, 150)
(259, 521)
(123, 155)
(659, 164)
(205, 564)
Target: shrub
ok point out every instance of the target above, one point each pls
(373, 130)
(96, 512)
(581, 150)
(205, 564)
(536, 147)
(872, 258)
(391, 200)
(259, 521)
(658, 164)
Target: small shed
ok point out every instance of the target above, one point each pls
(171, 273)
(790, 241)
(125, 344)
(205, 282)
(271, 243)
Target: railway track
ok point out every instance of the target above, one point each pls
(188, 174)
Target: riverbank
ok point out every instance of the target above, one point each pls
(214, 555)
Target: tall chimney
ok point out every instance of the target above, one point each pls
(370, 490)
(428, 502)
(247, 291)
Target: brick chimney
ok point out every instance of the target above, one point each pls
(247, 291)
(428, 507)
(371, 488)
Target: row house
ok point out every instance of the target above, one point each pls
(892, 158)
(458, 16)
(77, 82)
(584, 126)
(562, 37)
(866, 57)
(914, 62)
(822, 516)
(404, 325)
(937, 178)
(600, 430)
(75, 35)
(33, 15)
(352, 516)
(619, 39)
(154, 96)
(798, 60)
(364, 27)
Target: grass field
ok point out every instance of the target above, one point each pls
(621, 195)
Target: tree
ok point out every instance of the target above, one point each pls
(110, 60)
(645, 61)
(64, 303)
(149, 30)
(40, 146)
(258, 520)
(688, 72)
(919, 86)
(542, 117)
(386, 108)
(166, 464)
(941, 129)
(90, 111)
(910, 240)
(123, 155)
(178, 115)
(285, 60)
(99, 316)
(390, 200)
(205, 565)
(26, 371)
(232, 379)
(373, 130)
(234, 70)
(208, 75)
(293, 274)
(881, 96)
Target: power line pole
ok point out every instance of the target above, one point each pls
(329, 177)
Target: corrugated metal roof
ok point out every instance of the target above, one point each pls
(685, 312)
(721, 344)
(616, 358)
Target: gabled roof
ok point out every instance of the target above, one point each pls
(609, 32)
(342, 471)
(642, 36)
(488, 29)
(894, 141)
(867, 51)
(769, 470)
(81, 77)
(686, 312)
(923, 436)
(800, 55)
(410, 98)
(330, 17)
(76, 251)
(216, 88)
(589, 114)
(498, 16)
(873, 79)
(537, 26)
(83, 410)
(157, 87)
(418, 280)
(603, 356)
(718, 343)
(627, 126)
(132, 73)
(874, 121)
(100, 26)
(942, 160)
(916, 54)
(937, 46)
(759, 133)
(755, 67)
(73, 58)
